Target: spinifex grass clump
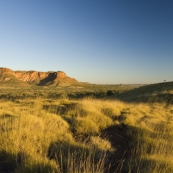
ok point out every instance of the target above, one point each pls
(76, 157)
(151, 151)
(151, 146)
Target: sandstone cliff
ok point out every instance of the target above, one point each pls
(58, 78)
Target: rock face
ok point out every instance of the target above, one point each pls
(58, 78)
(6, 71)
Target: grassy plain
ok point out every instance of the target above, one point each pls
(93, 129)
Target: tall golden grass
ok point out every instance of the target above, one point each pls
(63, 136)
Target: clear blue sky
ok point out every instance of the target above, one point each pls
(96, 41)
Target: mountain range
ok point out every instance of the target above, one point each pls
(55, 78)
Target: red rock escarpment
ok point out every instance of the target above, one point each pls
(39, 78)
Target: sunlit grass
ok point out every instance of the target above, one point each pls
(50, 135)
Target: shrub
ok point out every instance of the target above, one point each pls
(85, 126)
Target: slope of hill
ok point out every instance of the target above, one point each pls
(159, 92)
(59, 78)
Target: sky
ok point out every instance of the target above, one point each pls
(95, 41)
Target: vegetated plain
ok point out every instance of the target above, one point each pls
(88, 129)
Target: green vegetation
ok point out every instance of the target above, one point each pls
(94, 129)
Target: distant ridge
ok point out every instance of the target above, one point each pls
(55, 78)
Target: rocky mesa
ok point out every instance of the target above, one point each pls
(58, 78)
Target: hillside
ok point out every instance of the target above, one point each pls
(159, 92)
(59, 78)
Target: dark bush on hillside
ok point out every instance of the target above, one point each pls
(110, 93)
